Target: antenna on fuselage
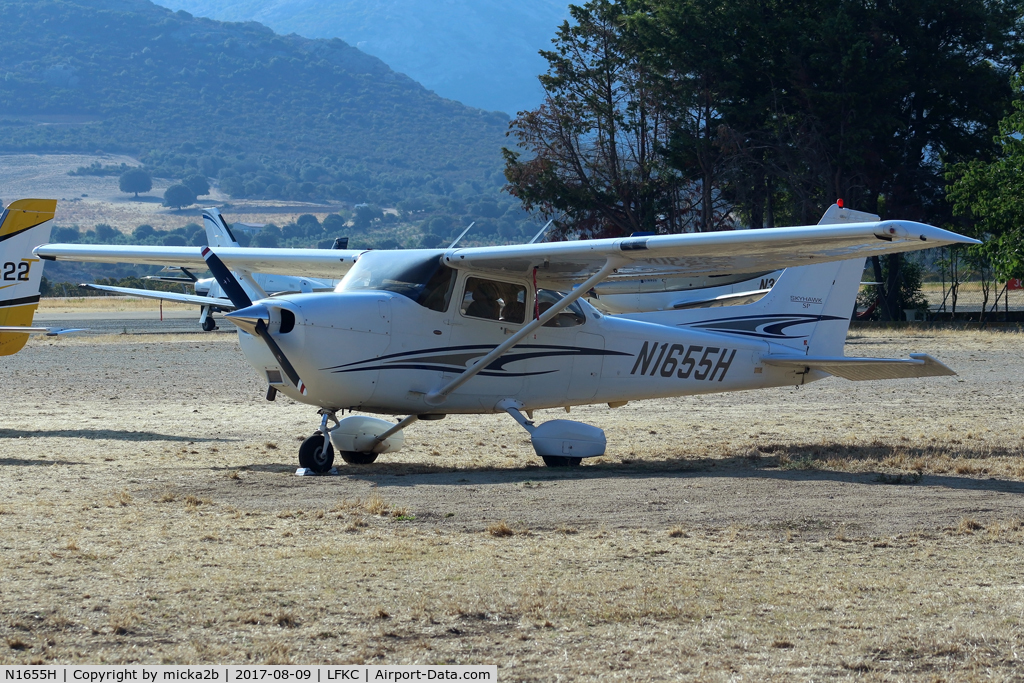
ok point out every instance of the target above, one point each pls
(452, 245)
(542, 232)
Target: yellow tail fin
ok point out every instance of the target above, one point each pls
(24, 225)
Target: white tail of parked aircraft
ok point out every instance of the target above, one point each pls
(24, 225)
(218, 232)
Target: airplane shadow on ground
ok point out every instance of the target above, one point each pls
(112, 434)
(796, 463)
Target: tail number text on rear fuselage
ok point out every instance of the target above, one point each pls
(683, 362)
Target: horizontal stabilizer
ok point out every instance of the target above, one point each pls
(737, 299)
(48, 331)
(167, 296)
(859, 369)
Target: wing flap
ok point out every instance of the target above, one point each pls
(861, 369)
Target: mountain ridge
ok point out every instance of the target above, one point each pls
(480, 52)
(317, 118)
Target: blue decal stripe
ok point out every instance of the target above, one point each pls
(453, 350)
(441, 368)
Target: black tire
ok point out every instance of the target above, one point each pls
(311, 456)
(561, 461)
(353, 458)
(209, 325)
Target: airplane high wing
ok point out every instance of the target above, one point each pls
(560, 265)
(563, 264)
(324, 263)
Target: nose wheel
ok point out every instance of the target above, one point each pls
(316, 453)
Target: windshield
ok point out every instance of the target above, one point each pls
(417, 274)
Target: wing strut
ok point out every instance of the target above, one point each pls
(542, 232)
(461, 235)
(438, 396)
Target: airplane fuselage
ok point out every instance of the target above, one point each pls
(380, 352)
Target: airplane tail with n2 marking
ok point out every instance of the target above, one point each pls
(218, 233)
(24, 225)
(808, 309)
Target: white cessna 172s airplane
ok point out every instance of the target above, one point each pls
(424, 333)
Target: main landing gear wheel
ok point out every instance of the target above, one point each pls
(353, 458)
(312, 456)
(209, 325)
(561, 461)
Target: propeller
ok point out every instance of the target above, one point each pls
(250, 318)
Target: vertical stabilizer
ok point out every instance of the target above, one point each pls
(808, 309)
(24, 225)
(218, 234)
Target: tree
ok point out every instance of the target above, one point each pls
(135, 180)
(989, 194)
(430, 241)
(364, 214)
(676, 115)
(198, 184)
(105, 233)
(179, 195)
(333, 224)
(310, 225)
(590, 154)
(143, 232)
(907, 287)
(269, 236)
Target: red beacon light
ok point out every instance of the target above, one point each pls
(839, 202)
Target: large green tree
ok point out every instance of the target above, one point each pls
(989, 192)
(591, 153)
(766, 111)
(135, 180)
(179, 195)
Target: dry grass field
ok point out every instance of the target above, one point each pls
(149, 513)
(84, 201)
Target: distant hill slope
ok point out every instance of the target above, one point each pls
(480, 52)
(279, 116)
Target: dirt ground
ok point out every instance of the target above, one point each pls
(85, 201)
(149, 512)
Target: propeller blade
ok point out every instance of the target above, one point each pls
(226, 279)
(244, 318)
(282, 360)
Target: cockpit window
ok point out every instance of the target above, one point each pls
(418, 275)
(571, 316)
(493, 300)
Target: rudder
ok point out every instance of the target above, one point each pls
(218, 234)
(24, 225)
